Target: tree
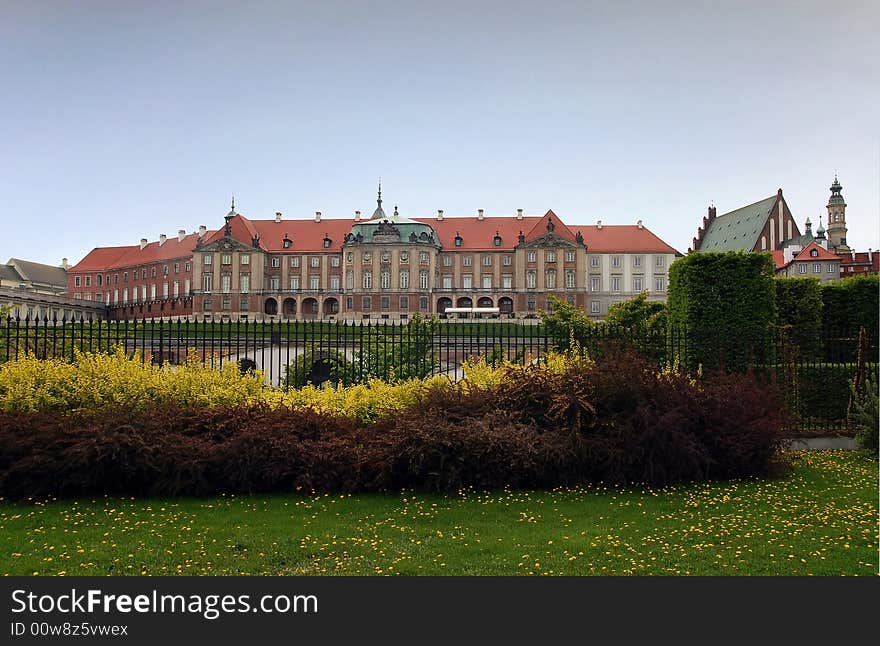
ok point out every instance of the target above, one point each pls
(638, 314)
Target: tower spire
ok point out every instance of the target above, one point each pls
(379, 199)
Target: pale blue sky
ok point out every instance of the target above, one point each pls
(122, 120)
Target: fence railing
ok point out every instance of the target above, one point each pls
(815, 367)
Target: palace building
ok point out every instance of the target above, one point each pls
(387, 266)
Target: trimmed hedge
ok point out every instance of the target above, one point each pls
(852, 303)
(799, 313)
(562, 423)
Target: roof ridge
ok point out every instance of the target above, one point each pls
(745, 206)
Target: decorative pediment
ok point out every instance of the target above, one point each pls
(548, 240)
(386, 232)
(228, 244)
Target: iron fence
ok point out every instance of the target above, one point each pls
(815, 367)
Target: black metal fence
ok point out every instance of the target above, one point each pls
(815, 368)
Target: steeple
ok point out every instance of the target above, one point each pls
(379, 214)
(837, 218)
(227, 230)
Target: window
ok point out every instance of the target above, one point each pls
(153, 288)
(831, 268)
(530, 256)
(550, 256)
(423, 258)
(487, 281)
(465, 261)
(349, 257)
(595, 284)
(385, 280)
(637, 283)
(615, 261)
(385, 302)
(88, 281)
(176, 290)
(206, 260)
(467, 281)
(154, 269)
(404, 280)
(368, 256)
(186, 267)
(531, 279)
(531, 303)
(206, 284)
(637, 261)
(423, 280)
(550, 279)
(115, 296)
(125, 276)
(185, 287)
(615, 283)
(594, 307)
(125, 295)
(226, 259)
(144, 272)
(314, 283)
(447, 261)
(594, 261)
(349, 303)
(244, 304)
(294, 261)
(334, 283)
(244, 283)
(569, 279)
(177, 268)
(458, 241)
(404, 256)
(404, 302)
(506, 261)
(368, 280)
(76, 281)
(334, 261)
(817, 268)
(367, 303)
(315, 261)
(164, 290)
(327, 243)
(273, 283)
(487, 260)
(507, 281)
(245, 259)
(813, 253)
(803, 268)
(100, 278)
(659, 284)
(349, 279)
(144, 293)
(659, 261)
(570, 256)
(447, 281)
(225, 283)
(294, 283)
(423, 302)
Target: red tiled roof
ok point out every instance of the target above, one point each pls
(307, 235)
(542, 227)
(153, 252)
(100, 258)
(624, 238)
(778, 258)
(824, 254)
(479, 235)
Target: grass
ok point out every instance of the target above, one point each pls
(821, 520)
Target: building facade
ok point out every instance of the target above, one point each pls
(381, 267)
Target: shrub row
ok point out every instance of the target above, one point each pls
(562, 423)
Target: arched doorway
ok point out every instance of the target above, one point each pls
(310, 308)
(331, 306)
(270, 307)
(289, 308)
(485, 301)
(442, 304)
(505, 305)
(465, 301)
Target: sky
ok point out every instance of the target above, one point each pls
(123, 120)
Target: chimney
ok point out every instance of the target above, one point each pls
(639, 224)
(779, 193)
(317, 216)
(439, 215)
(599, 224)
(143, 242)
(695, 244)
(712, 212)
(357, 216)
(277, 217)
(162, 239)
(202, 230)
(181, 234)
(65, 264)
(519, 215)
(479, 214)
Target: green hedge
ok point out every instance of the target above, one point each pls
(799, 313)
(852, 303)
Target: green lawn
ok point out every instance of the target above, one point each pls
(821, 520)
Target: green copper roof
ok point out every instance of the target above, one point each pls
(385, 229)
(738, 230)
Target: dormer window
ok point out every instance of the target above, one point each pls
(458, 239)
(287, 242)
(814, 253)
(327, 242)
(497, 240)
